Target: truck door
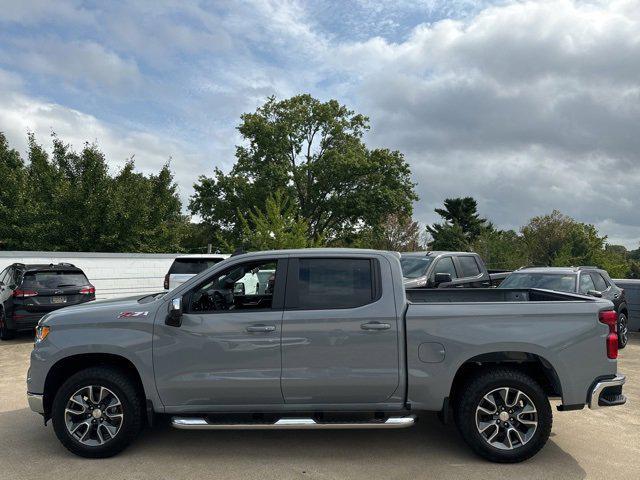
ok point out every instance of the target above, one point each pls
(227, 349)
(339, 332)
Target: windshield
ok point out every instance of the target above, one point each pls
(549, 281)
(414, 267)
(53, 279)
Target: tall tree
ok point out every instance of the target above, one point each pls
(276, 226)
(461, 227)
(313, 152)
(70, 201)
(14, 204)
(398, 233)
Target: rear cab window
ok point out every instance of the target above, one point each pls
(192, 266)
(333, 283)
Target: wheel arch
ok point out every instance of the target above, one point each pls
(73, 364)
(532, 364)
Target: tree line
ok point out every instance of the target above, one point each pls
(302, 177)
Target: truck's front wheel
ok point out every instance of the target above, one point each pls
(504, 415)
(97, 412)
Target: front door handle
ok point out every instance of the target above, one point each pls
(261, 328)
(375, 326)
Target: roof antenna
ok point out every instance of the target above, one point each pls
(238, 251)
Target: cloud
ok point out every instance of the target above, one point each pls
(83, 63)
(526, 105)
(529, 107)
(20, 114)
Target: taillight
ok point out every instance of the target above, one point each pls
(166, 282)
(610, 318)
(24, 293)
(88, 290)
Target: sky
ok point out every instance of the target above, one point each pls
(528, 106)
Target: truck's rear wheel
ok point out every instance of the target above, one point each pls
(623, 330)
(97, 412)
(504, 415)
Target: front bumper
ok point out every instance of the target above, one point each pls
(36, 402)
(607, 393)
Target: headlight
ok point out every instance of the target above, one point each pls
(41, 333)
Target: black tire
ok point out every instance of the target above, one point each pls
(5, 333)
(470, 397)
(623, 330)
(125, 390)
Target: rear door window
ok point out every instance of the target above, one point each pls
(328, 283)
(192, 266)
(469, 266)
(53, 279)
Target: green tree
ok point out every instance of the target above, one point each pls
(559, 240)
(277, 226)
(313, 152)
(501, 249)
(14, 204)
(461, 227)
(398, 233)
(70, 201)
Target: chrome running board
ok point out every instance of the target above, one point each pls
(201, 423)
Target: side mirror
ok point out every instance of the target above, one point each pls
(174, 316)
(441, 278)
(594, 293)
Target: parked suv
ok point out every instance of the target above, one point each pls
(28, 292)
(187, 266)
(584, 280)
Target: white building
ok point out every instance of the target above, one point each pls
(113, 274)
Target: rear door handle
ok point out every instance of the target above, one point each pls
(261, 328)
(375, 326)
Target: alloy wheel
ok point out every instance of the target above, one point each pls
(93, 415)
(506, 418)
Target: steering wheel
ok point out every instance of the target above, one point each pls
(218, 301)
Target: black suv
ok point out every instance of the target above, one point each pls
(584, 280)
(28, 292)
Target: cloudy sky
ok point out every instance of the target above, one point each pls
(527, 106)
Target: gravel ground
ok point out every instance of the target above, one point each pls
(583, 444)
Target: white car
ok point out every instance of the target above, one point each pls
(185, 267)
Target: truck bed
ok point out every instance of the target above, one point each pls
(488, 295)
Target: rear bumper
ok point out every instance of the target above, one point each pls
(36, 402)
(607, 393)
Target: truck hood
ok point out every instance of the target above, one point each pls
(101, 310)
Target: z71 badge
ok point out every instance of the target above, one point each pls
(132, 314)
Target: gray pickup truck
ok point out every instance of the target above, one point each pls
(448, 270)
(328, 339)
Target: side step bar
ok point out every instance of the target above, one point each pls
(201, 423)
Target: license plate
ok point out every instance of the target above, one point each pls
(58, 299)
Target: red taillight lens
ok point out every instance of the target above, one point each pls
(610, 318)
(166, 282)
(612, 346)
(89, 290)
(24, 293)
